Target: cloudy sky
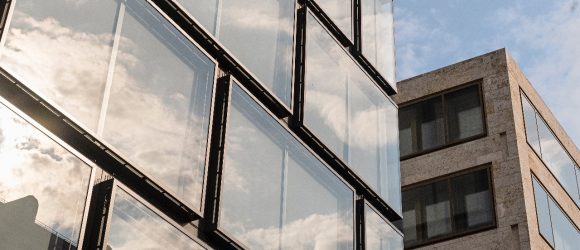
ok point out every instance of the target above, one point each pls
(542, 35)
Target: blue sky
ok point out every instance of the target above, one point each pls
(542, 35)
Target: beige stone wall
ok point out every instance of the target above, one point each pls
(499, 147)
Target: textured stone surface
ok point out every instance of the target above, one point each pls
(504, 147)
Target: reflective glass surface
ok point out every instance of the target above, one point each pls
(531, 125)
(378, 41)
(134, 226)
(43, 188)
(62, 49)
(349, 114)
(437, 209)
(158, 109)
(464, 113)
(379, 234)
(340, 12)
(472, 200)
(275, 193)
(543, 212)
(259, 33)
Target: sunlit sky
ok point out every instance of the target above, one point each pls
(542, 35)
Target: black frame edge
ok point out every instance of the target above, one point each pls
(97, 219)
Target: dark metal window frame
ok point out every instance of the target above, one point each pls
(296, 123)
(93, 172)
(447, 178)
(441, 94)
(101, 212)
(550, 197)
(361, 203)
(539, 154)
(213, 197)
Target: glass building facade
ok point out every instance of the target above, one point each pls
(212, 124)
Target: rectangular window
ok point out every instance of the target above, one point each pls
(445, 208)
(378, 40)
(345, 110)
(548, 147)
(259, 33)
(275, 192)
(441, 120)
(379, 234)
(133, 225)
(43, 188)
(554, 225)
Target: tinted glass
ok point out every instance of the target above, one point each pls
(62, 49)
(275, 193)
(412, 215)
(43, 188)
(437, 209)
(160, 99)
(431, 127)
(134, 226)
(349, 113)
(464, 113)
(558, 161)
(408, 130)
(543, 212)
(531, 125)
(472, 200)
(379, 234)
(566, 234)
(340, 12)
(378, 43)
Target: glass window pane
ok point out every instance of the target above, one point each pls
(566, 235)
(472, 200)
(408, 130)
(379, 234)
(275, 193)
(531, 125)
(43, 188)
(464, 114)
(134, 226)
(340, 12)
(558, 161)
(158, 113)
(431, 128)
(204, 11)
(543, 212)
(378, 43)
(437, 209)
(411, 215)
(62, 49)
(349, 113)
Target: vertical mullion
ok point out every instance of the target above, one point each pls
(111, 70)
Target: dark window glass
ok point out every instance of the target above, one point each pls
(543, 212)
(447, 207)
(378, 43)
(158, 113)
(555, 226)
(348, 112)
(43, 188)
(531, 124)
(472, 200)
(62, 49)
(440, 120)
(379, 234)
(259, 33)
(275, 193)
(135, 226)
(464, 114)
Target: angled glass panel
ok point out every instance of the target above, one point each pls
(566, 234)
(378, 40)
(43, 188)
(158, 110)
(134, 226)
(531, 125)
(340, 12)
(62, 49)
(275, 193)
(464, 113)
(472, 200)
(543, 212)
(379, 234)
(259, 33)
(349, 114)
(558, 161)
